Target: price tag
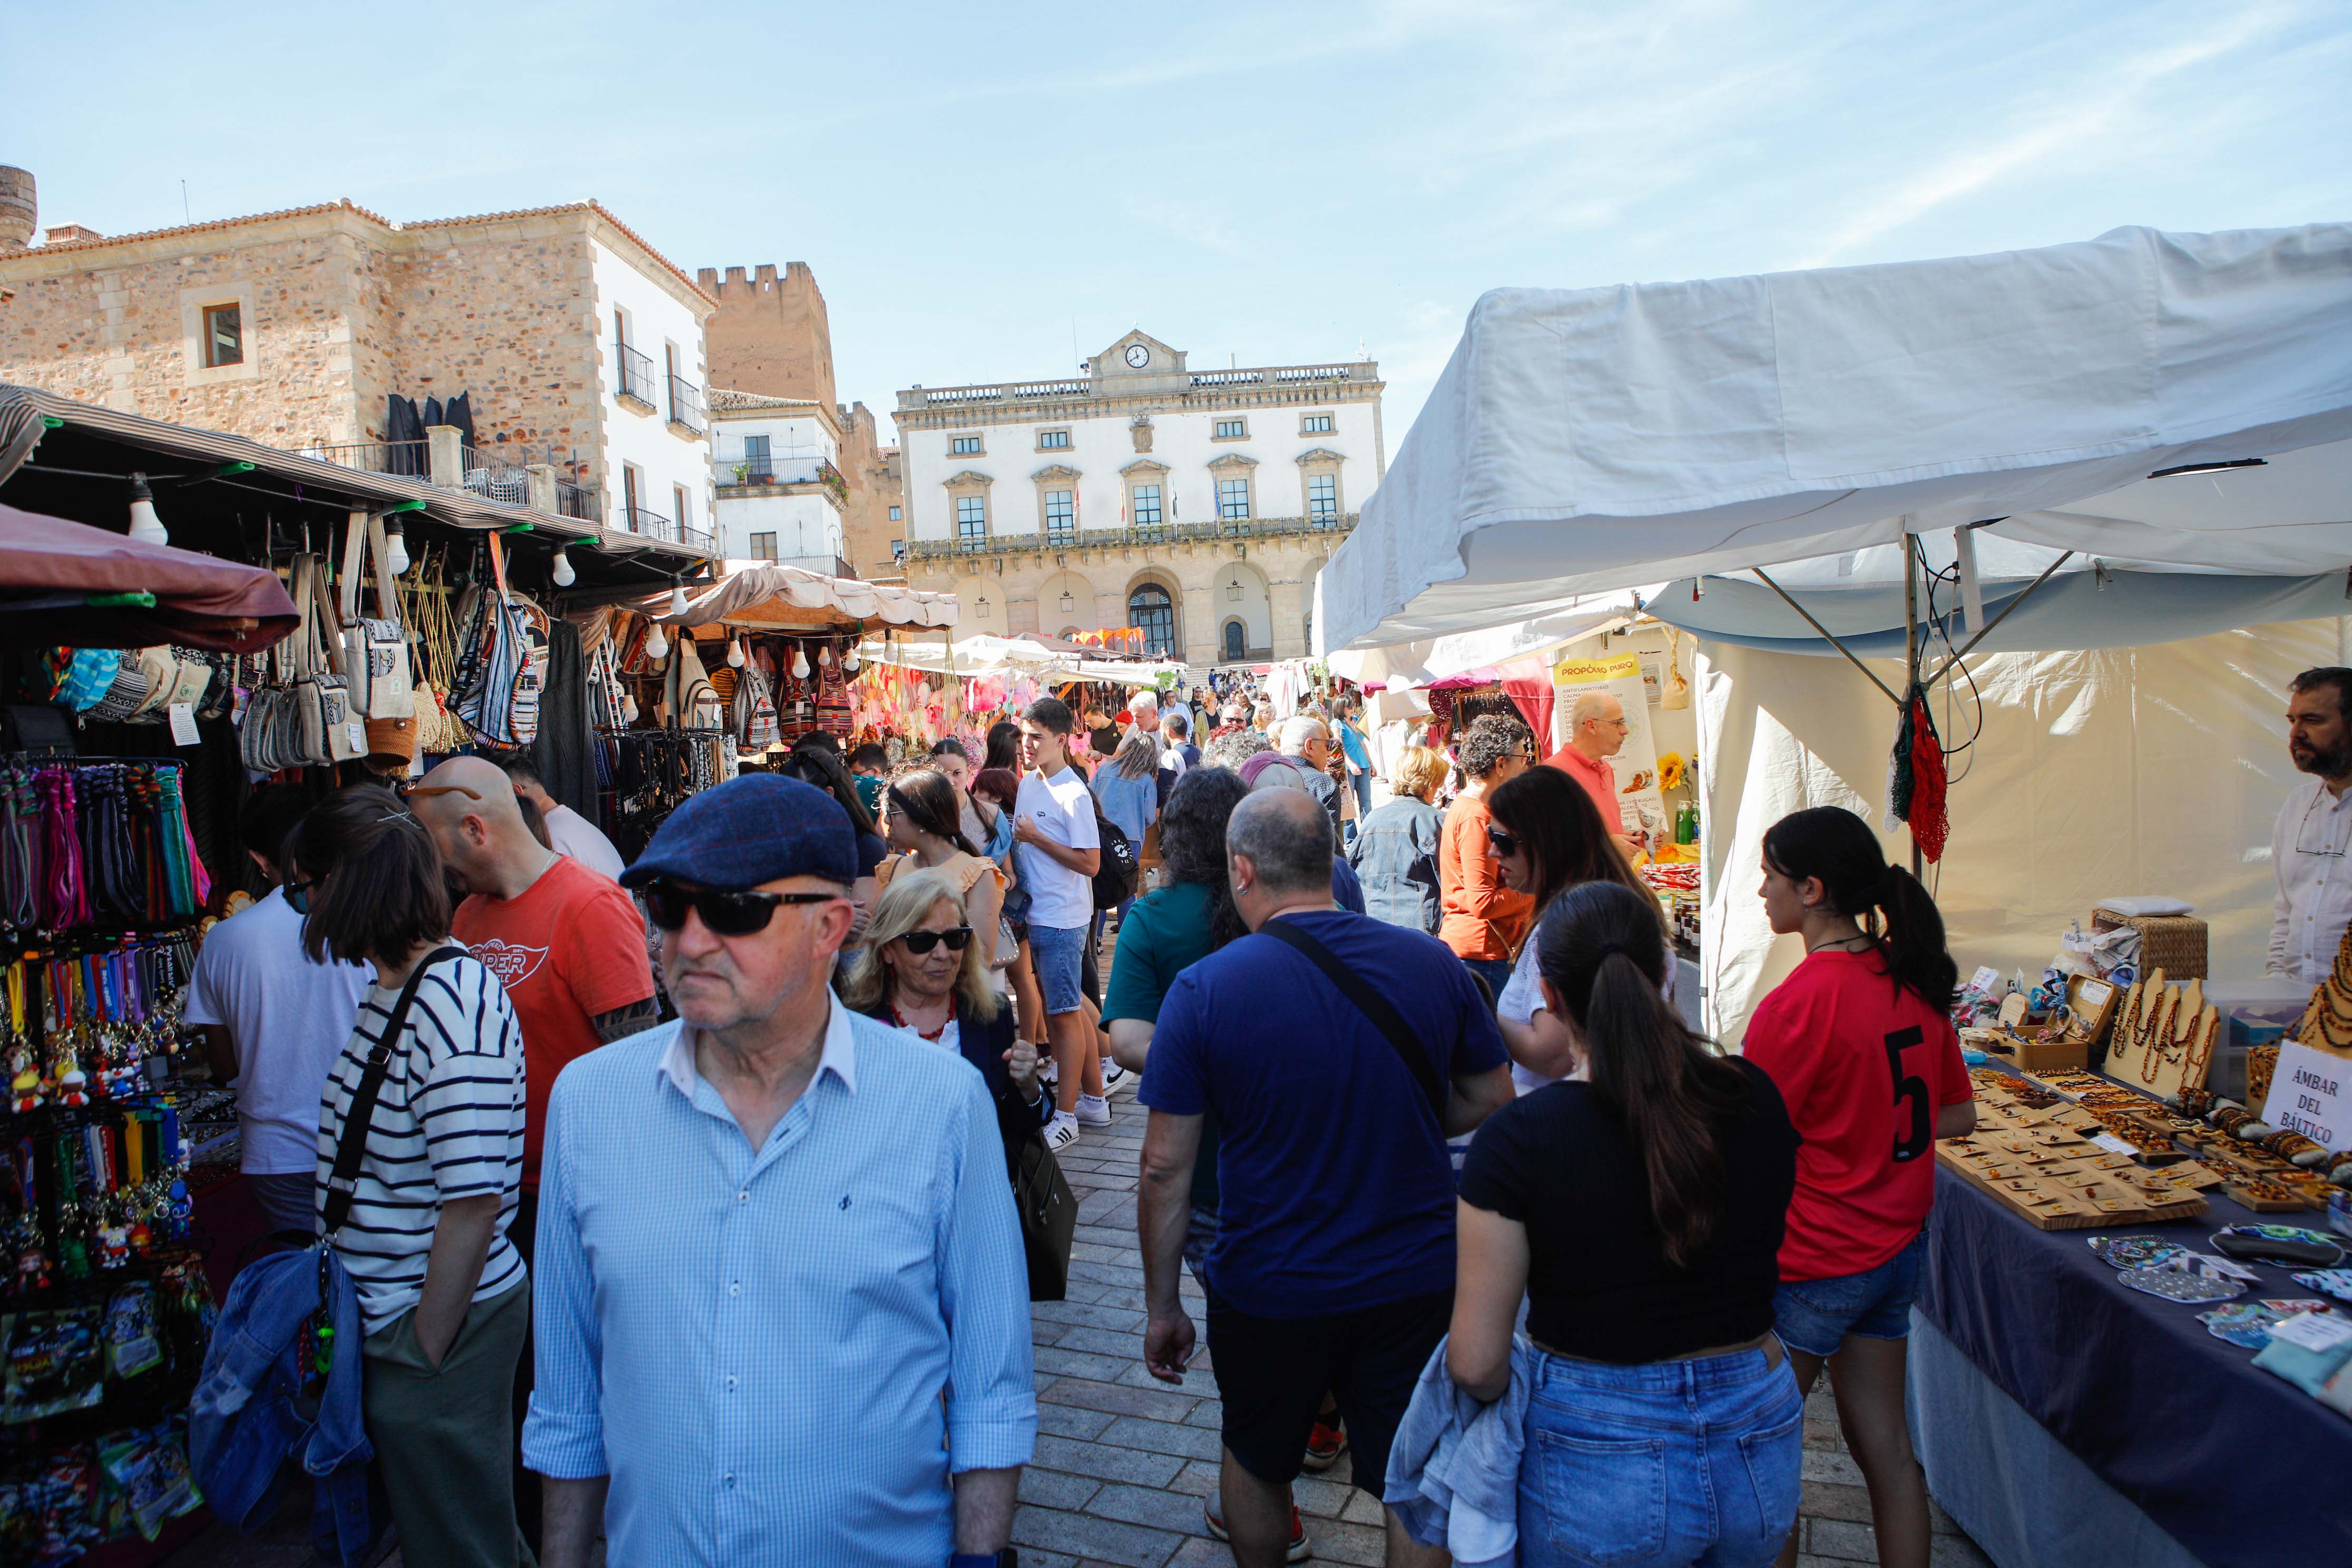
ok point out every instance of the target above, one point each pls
(416, 764)
(2311, 1093)
(2313, 1331)
(2115, 1145)
(358, 733)
(184, 724)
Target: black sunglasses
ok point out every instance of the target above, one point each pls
(726, 913)
(298, 896)
(919, 943)
(1503, 843)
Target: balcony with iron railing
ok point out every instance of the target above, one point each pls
(1059, 538)
(634, 380)
(670, 531)
(685, 406)
(751, 470)
(500, 472)
(1286, 377)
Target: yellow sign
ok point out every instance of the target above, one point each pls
(1585, 671)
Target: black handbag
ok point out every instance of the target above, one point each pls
(1041, 1198)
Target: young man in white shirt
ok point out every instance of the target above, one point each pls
(568, 832)
(273, 1020)
(1058, 850)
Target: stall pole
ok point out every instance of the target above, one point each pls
(1911, 652)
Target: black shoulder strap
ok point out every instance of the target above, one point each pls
(344, 1178)
(1373, 1004)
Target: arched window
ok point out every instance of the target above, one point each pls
(1150, 608)
(1236, 642)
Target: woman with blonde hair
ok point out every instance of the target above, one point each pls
(1395, 851)
(922, 814)
(921, 969)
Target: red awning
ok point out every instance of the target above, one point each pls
(65, 584)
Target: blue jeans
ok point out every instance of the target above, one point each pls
(1058, 955)
(1494, 972)
(1815, 1315)
(1658, 1466)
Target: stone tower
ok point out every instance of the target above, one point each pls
(18, 212)
(770, 334)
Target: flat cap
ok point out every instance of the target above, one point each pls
(753, 829)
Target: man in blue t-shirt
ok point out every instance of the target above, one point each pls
(1333, 1266)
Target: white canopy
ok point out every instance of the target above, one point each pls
(982, 654)
(1590, 439)
(1437, 659)
(790, 597)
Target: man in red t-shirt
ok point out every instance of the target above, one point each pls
(570, 947)
(1596, 732)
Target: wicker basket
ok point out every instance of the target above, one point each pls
(2174, 943)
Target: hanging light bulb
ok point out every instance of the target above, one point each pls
(676, 599)
(799, 662)
(564, 575)
(628, 708)
(825, 655)
(395, 548)
(145, 526)
(657, 646)
(849, 660)
(735, 653)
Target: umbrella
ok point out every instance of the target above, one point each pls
(65, 584)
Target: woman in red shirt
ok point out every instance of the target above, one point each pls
(1860, 1042)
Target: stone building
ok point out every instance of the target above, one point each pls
(577, 343)
(770, 337)
(1199, 505)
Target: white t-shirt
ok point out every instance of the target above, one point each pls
(1522, 999)
(573, 835)
(288, 1018)
(1063, 810)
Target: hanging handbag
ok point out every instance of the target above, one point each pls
(322, 697)
(127, 693)
(374, 651)
(1042, 1199)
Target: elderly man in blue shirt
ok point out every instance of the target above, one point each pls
(781, 1308)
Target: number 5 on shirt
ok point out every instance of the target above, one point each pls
(1914, 1089)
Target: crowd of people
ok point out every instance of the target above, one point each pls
(672, 1215)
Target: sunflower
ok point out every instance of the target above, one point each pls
(1670, 771)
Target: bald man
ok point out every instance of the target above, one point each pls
(570, 946)
(1596, 732)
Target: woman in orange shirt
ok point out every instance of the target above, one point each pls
(1483, 919)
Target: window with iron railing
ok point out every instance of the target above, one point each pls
(685, 404)
(633, 376)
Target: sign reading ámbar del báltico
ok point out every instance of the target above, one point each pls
(2311, 1093)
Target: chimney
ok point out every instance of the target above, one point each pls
(19, 213)
(69, 234)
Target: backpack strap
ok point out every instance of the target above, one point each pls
(343, 1180)
(1371, 1003)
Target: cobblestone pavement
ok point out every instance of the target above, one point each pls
(1124, 1460)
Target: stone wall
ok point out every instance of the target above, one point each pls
(770, 334)
(875, 485)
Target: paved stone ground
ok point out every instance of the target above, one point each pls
(1124, 1460)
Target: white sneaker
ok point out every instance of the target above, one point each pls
(1093, 1110)
(1062, 1132)
(1115, 1078)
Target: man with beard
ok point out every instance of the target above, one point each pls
(2314, 830)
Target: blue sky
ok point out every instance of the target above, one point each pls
(978, 187)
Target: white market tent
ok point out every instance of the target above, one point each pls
(2091, 412)
(982, 654)
(777, 597)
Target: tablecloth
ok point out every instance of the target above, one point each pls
(2238, 1467)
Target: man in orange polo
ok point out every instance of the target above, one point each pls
(1596, 732)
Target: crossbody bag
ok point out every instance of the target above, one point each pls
(1372, 1004)
(343, 1179)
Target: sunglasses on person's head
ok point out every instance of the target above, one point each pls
(417, 789)
(298, 896)
(1503, 843)
(725, 913)
(919, 943)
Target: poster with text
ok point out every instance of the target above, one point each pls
(1639, 805)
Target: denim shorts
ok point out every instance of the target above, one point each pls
(1669, 1463)
(1815, 1315)
(1058, 955)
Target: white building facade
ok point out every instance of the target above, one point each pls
(1198, 505)
(780, 490)
(650, 369)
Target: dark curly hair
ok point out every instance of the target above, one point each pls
(1193, 841)
(1489, 740)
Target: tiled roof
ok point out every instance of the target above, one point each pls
(716, 398)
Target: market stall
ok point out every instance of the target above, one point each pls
(1958, 514)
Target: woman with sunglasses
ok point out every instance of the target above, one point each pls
(921, 971)
(919, 815)
(1547, 836)
(443, 1292)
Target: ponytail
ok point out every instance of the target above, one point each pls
(1834, 845)
(1601, 949)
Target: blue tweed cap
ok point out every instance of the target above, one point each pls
(749, 830)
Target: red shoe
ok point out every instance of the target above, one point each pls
(1213, 1509)
(1325, 1444)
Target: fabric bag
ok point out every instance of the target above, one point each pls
(374, 651)
(1046, 1208)
(321, 697)
(1115, 878)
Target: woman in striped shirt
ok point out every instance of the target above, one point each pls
(443, 1293)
